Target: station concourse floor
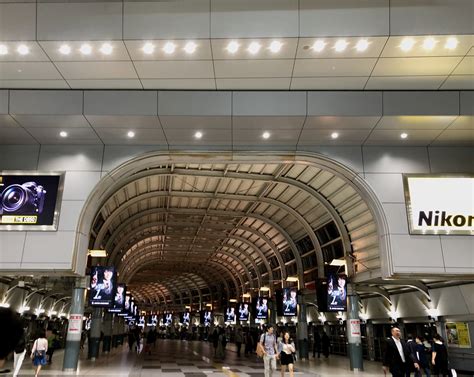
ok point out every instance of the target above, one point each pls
(175, 358)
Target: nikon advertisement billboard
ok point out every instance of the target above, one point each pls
(30, 201)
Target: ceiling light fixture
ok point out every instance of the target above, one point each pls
(198, 135)
(3, 50)
(23, 50)
(340, 45)
(429, 43)
(232, 47)
(65, 49)
(190, 47)
(362, 45)
(130, 134)
(334, 135)
(106, 49)
(63, 134)
(169, 48)
(451, 43)
(403, 135)
(254, 48)
(86, 49)
(148, 48)
(275, 46)
(407, 44)
(319, 45)
(266, 135)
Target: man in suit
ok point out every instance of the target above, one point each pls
(397, 358)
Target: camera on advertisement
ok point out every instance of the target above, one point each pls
(27, 198)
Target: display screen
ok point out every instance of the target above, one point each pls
(168, 319)
(243, 311)
(290, 302)
(141, 321)
(102, 286)
(119, 299)
(152, 320)
(206, 318)
(337, 293)
(31, 201)
(261, 308)
(230, 314)
(185, 318)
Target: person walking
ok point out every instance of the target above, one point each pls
(325, 343)
(19, 355)
(397, 358)
(249, 344)
(286, 354)
(221, 344)
(239, 338)
(270, 356)
(38, 352)
(53, 344)
(422, 358)
(439, 357)
(215, 340)
(317, 343)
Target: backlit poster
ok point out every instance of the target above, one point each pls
(243, 311)
(206, 318)
(230, 314)
(185, 318)
(337, 293)
(168, 319)
(290, 302)
(102, 286)
(261, 308)
(119, 299)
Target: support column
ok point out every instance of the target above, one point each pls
(107, 330)
(74, 332)
(302, 329)
(273, 313)
(369, 328)
(353, 330)
(94, 340)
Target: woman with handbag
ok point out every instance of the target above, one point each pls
(286, 354)
(38, 352)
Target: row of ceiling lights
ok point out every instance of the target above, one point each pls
(253, 48)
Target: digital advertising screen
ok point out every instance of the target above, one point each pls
(337, 293)
(230, 315)
(141, 321)
(206, 318)
(30, 201)
(185, 318)
(290, 302)
(261, 308)
(152, 320)
(102, 286)
(168, 319)
(243, 311)
(119, 299)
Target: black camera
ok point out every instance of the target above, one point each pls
(24, 199)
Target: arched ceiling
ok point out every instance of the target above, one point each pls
(176, 230)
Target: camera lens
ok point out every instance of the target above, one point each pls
(13, 198)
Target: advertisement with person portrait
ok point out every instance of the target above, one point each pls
(230, 314)
(336, 293)
(290, 302)
(152, 320)
(185, 318)
(206, 318)
(261, 308)
(119, 299)
(30, 201)
(102, 286)
(168, 319)
(243, 311)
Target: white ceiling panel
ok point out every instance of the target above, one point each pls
(105, 84)
(340, 122)
(118, 53)
(459, 82)
(198, 122)
(7, 121)
(305, 50)
(333, 67)
(10, 26)
(253, 68)
(209, 136)
(415, 66)
(84, 135)
(330, 83)
(36, 54)
(97, 70)
(34, 84)
(193, 84)
(253, 137)
(345, 136)
(203, 50)
(28, 71)
(418, 122)
(123, 121)
(118, 136)
(455, 137)
(268, 123)
(288, 49)
(463, 122)
(405, 82)
(392, 137)
(44, 121)
(15, 135)
(392, 48)
(175, 69)
(466, 67)
(254, 84)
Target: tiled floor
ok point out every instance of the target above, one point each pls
(172, 358)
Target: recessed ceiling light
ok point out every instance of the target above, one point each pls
(3, 50)
(362, 45)
(334, 135)
(275, 46)
(404, 135)
(266, 135)
(106, 48)
(232, 47)
(407, 44)
(254, 48)
(451, 43)
(85, 49)
(63, 134)
(169, 48)
(190, 47)
(318, 45)
(340, 45)
(198, 135)
(148, 48)
(23, 50)
(130, 134)
(429, 43)
(65, 49)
